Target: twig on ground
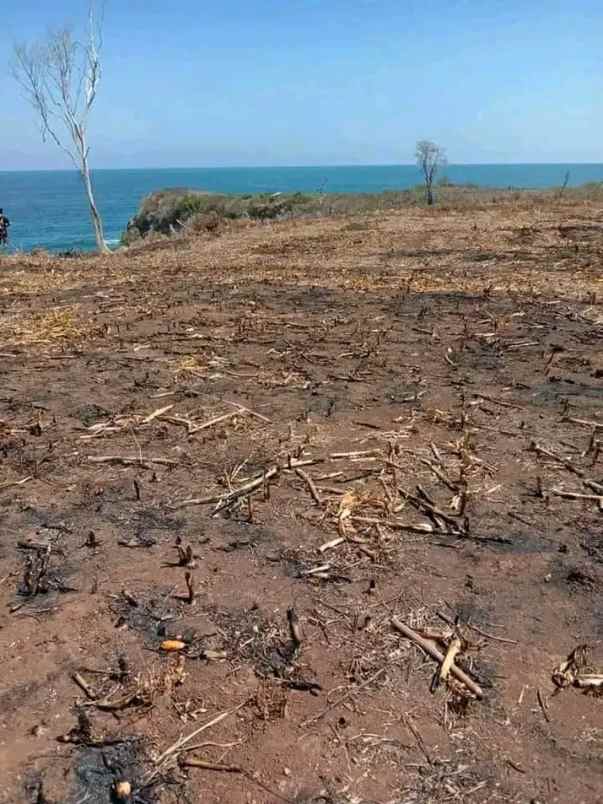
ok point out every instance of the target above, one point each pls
(311, 485)
(572, 495)
(131, 461)
(178, 746)
(156, 414)
(540, 450)
(430, 648)
(16, 483)
(543, 706)
(491, 636)
(343, 699)
(583, 422)
(223, 501)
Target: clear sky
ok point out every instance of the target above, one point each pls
(301, 82)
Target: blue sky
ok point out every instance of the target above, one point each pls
(299, 82)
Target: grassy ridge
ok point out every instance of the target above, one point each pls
(168, 212)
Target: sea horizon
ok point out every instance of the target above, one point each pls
(292, 166)
(47, 208)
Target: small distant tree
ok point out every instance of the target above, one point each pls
(430, 158)
(566, 180)
(60, 78)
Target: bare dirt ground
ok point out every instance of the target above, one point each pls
(262, 450)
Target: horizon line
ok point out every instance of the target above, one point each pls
(301, 167)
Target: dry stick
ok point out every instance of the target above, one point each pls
(454, 648)
(254, 777)
(416, 734)
(343, 698)
(395, 525)
(225, 500)
(16, 482)
(572, 495)
(497, 401)
(548, 454)
(583, 422)
(593, 485)
(491, 636)
(542, 704)
(253, 413)
(248, 488)
(193, 762)
(128, 461)
(333, 543)
(214, 421)
(520, 345)
(176, 747)
(435, 469)
(240, 409)
(156, 414)
(107, 705)
(292, 463)
(190, 586)
(361, 454)
(589, 681)
(425, 505)
(431, 649)
(311, 485)
(83, 684)
(440, 475)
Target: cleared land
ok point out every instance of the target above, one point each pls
(266, 448)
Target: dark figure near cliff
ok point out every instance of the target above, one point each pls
(4, 224)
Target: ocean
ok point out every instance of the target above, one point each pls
(47, 209)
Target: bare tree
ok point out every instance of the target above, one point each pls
(430, 158)
(566, 181)
(60, 77)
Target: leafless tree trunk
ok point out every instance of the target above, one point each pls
(60, 77)
(566, 180)
(430, 158)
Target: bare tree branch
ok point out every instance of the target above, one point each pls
(60, 79)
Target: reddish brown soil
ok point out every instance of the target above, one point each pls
(446, 340)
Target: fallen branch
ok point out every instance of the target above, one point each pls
(454, 648)
(310, 484)
(156, 414)
(591, 484)
(223, 501)
(250, 412)
(212, 422)
(583, 422)
(240, 410)
(540, 450)
(429, 647)
(492, 636)
(495, 401)
(130, 461)
(572, 495)
(395, 525)
(178, 746)
(193, 762)
(16, 483)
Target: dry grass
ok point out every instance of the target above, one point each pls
(58, 326)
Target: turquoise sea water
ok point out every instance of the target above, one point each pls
(48, 209)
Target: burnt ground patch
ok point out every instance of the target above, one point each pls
(291, 418)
